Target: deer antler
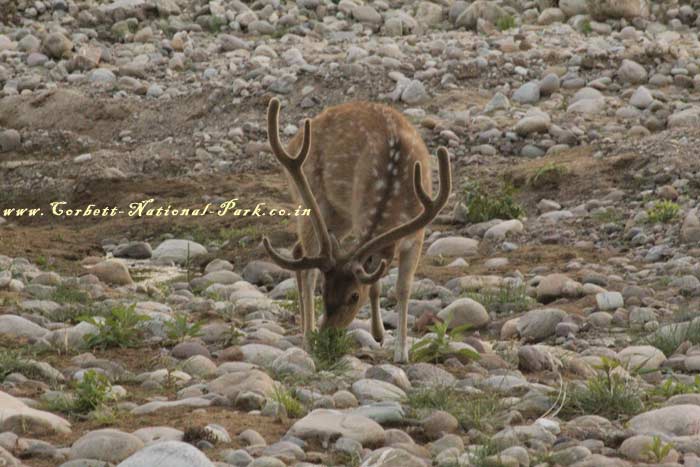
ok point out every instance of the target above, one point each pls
(431, 208)
(324, 260)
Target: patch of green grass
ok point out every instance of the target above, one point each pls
(288, 400)
(549, 175)
(120, 328)
(668, 338)
(15, 361)
(41, 261)
(472, 410)
(505, 23)
(607, 394)
(437, 348)
(180, 329)
(608, 216)
(70, 294)
(507, 299)
(663, 212)
(483, 206)
(292, 303)
(328, 346)
(216, 24)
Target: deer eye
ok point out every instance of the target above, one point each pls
(354, 298)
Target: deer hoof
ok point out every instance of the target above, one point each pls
(401, 354)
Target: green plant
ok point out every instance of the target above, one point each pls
(92, 392)
(607, 394)
(483, 206)
(505, 22)
(510, 298)
(232, 336)
(41, 261)
(550, 174)
(672, 387)
(657, 450)
(663, 212)
(120, 328)
(289, 401)
(179, 329)
(586, 27)
(437, 348)
(328, 346)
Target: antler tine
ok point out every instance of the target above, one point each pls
(369, 278)
(431, 207)
(294, 167)
(305, 262)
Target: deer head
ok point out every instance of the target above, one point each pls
(348, 275)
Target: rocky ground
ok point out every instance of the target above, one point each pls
(172, 341)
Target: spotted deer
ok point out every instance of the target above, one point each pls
(362, 170)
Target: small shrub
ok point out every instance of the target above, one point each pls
(663, 212)
(437, 348)
(232, 336)
(505, 22)
(194, 434)
(179, 329)
(608, 394)
(329, 346)
(483, 206)
(120, 328)
(289, 401)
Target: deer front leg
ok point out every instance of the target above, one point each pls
(300, 298)
(409, 254)
(377, 323)
(307, 297)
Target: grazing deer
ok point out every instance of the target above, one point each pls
(365, 166)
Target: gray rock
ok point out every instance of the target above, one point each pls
(107, 444)
(528, 93)
(10, 140)
(540, 323)
(465, 311)
(176, 250)
(325, 424)
(168, 454)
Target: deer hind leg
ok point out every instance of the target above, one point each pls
(409, 254)
(377, 324)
